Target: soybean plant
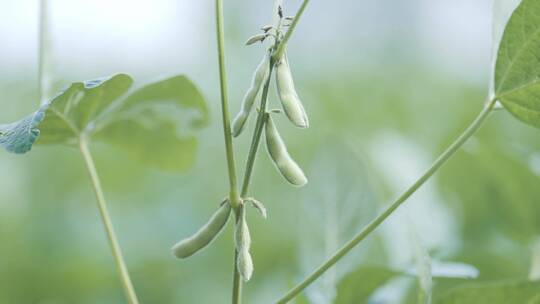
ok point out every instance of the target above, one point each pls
(274, 58)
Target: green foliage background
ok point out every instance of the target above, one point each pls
(382, 105)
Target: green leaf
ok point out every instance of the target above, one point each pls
(517, 70)
(358, 286)
(18, 137)
(155, 124)
(494, 293)
(76, 109)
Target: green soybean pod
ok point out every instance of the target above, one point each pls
(279, 154)
(205, 235)
(259, 77)
(242, 237)
(292, 106)
(244, 263)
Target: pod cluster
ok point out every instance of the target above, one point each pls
(291, 104)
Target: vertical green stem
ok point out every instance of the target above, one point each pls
(475, 125)
(43, 81)
(233, 195)
(102, 206)
(234, 198)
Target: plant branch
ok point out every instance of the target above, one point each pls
(102, 205)
(250, 163)
(281, 48)
(401, 199)
(234, 198)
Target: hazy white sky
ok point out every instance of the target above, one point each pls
(165, 36)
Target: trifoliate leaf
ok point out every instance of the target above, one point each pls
(517, 70)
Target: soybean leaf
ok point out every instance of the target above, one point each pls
(494, 293)
(358, 286)
(75, 110)
(517, 70)
(18, 137)
(155, 124)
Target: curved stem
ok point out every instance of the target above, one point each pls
(234, 198)
(401, 199)
(102, 205)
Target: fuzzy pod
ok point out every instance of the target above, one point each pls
(205, 235)
(279, 154)
(244, 263)
(242, 237)
(259, 78)
(292, 106)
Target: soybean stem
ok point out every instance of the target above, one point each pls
(401, 199)
(256, 134)
(43, 50)
(281, 48)
(102, 206)
(234, 198)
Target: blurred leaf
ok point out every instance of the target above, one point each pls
(517, 71)
(75, 110)
(494, 293)
(338, 201)
(358, 286)
(423, 267)
(18, 137)
(155, 123)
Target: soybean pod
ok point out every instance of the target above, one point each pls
(242, 239)
(279, 154)
(292, 106)
(259, 78)
(205, 235)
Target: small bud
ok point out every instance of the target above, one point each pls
(256, 38)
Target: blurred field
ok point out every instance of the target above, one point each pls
(387, 84)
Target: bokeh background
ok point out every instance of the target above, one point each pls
(388, 85)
